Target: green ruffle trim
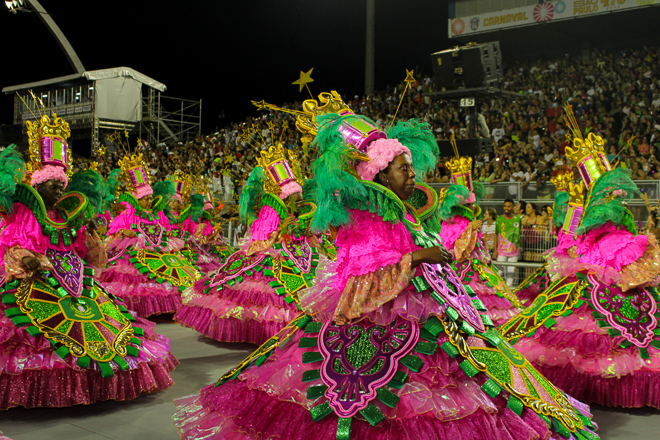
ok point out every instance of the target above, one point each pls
(380, 201)
(73, 206)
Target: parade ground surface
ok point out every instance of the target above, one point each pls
(202, 362)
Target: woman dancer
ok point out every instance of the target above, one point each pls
(146, 268)
(64, 341)
(254, 294)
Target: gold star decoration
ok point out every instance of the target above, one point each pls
(305, 78)
(261, 105)
(410, 79)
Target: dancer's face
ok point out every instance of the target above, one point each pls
(145, 202)
(399, 176)
(50, 191)
(175, 205)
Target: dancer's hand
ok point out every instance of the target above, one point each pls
(432, 255)
(31, 263)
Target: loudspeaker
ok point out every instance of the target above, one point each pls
(474, 65)
(466, 147)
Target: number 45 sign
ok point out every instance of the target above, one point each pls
(467, 102)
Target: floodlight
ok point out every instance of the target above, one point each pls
(14, 5)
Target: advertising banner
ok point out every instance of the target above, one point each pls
(541, 13)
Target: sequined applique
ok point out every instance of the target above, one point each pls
(237, 265)
(172, 267)
(68, 269)
(360, 358)
(631, 312)
(300, 252)
(444, 282)
(152, 232)
(88, 327)
(561, 296)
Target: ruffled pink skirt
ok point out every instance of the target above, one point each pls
(589, 364)
(139, 293)
(250, 311)
(33, 375)
(439, 402)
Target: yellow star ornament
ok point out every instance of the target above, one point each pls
(305, 78)
(410, 79)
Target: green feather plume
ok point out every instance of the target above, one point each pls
(450, 205)
(196, 207)
(91, 184)
(478, 191)
(111, 186)
(252, 193)
(603, 206)
(166, 189)
(336, 187)
(12, 168)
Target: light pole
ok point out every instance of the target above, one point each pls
(34, 6)
(371, 48)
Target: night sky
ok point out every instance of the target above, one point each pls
(223, 51)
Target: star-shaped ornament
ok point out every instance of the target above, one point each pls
(305, 78)
(410, 79)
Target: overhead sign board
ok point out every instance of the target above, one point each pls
(540, 13)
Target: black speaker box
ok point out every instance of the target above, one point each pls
(475, 65)
(466, 147)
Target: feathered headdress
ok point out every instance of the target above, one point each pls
(12, 168)
(605, 202)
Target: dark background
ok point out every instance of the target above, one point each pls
(226, 52)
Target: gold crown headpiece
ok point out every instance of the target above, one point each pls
(47, 143)
(183, 184)
(204, 189)
(588, 153)
(460, 167)
(562, 180)
(357, 132)
(576, 193)
(575, 208)
(280, 167)
(134, 174)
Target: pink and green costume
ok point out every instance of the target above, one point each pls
(594, 329)
(377, 355)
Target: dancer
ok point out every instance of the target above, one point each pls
(64, 341)
(146, 269)
(254, 294)
(390, 345)
(594, 330)
(538, 281)
(461, 234)
(208, 240)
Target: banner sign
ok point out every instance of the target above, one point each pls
(541, 13)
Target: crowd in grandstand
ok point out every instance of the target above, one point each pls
(616, 95)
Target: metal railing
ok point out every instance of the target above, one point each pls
(496, 193)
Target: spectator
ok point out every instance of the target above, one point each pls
(507, 240)
(488, 230)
